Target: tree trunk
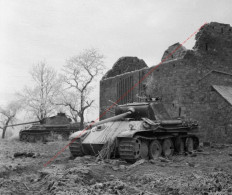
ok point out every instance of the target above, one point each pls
(82, 112)
(4, 132)
(82, 121)
(75, 119)
(5, 127)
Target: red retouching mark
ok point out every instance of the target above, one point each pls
(125, 94)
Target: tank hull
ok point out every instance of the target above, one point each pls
(43, 133)
(133, 140)
(138, 130)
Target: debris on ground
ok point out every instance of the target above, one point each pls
(139, 162)
(203, 153)
(164, 160)
(25, 154)
(209, 172)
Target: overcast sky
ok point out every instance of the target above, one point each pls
(54, 30)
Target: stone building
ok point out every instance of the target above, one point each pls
(196, 84)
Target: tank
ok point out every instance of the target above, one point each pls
(48, 129)
(138, 130)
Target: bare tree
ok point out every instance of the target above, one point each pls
(8, 116)
(39, 99)
(71, 103)
(80, 73)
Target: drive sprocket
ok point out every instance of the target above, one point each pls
(76, 147)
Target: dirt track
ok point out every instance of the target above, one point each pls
(208, 172)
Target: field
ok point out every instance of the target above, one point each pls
(206, 172)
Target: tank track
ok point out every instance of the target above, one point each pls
(75, 147)
(128, 152)
(127, 149)
(40, 137)
(33, 137)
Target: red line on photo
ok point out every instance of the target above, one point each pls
(125, 94)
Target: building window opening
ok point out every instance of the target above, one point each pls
(221, 30)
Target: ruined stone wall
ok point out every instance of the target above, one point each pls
(114, 88)
(165, 82)
(179, 53)
(124, 65)
(185, 83)
(220, 124)
(210, 109)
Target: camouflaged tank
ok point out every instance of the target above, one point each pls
(139, 130)
(48, 129)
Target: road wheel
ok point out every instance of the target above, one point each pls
(189, 144)
(23, 137)
(137, 148)
(31, 138)
(39, 138)
(144, 150)
(195, 143)
(155, 149)
(179, 145)
(168, 148)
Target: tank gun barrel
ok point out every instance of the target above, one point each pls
(114, 118)
(22, 124)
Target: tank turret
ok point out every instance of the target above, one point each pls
(140, 130)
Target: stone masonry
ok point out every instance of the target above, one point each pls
(187, 82)
(125, 64)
